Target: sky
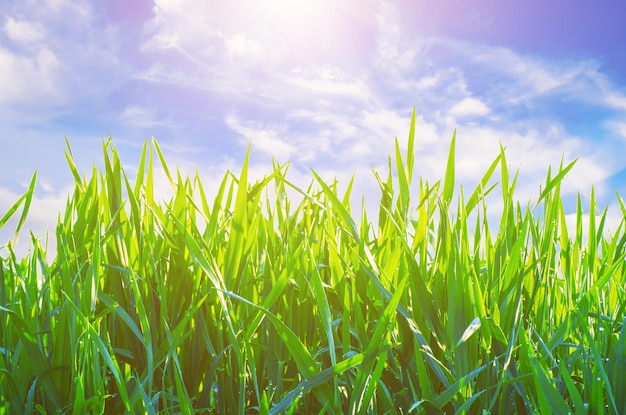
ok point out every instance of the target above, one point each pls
(324, 84)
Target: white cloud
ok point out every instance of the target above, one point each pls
(167, 5)
(142, 117)
(23, 32)
(428, 82)
(74, 9)
(534, 76)
(393, 53)
(47, 63)
(329, 81)
(616, 100)
(517, 78)
(469, 107)
(266, 139)
(244, 47)
(25, 80)
(617, 127)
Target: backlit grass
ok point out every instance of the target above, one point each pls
(256, 302)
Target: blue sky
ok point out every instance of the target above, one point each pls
(324, 84)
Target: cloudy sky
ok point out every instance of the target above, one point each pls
(326, 84)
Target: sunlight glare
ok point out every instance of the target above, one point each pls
(291, 7)
(297, 27)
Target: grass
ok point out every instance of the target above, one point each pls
(256, 303)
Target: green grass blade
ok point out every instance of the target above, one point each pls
(26, 199)
(315, 381)
(166, 170)
(35, 355)
(553, 182)
(619, 380)
(366, 380)
(344, 214)
(448, 184)
(29, 197)
(7, 216)
(410, 149)
(482, 185)
(403, 185)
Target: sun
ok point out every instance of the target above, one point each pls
(294, 11)
(291, 6)
(301, 32)
(291, 21)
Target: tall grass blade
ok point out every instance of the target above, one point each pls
(343, 213)
(26, 200)
(448, 184)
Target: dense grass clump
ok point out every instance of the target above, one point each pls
(255, 303)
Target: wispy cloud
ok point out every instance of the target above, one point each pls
(268, 139)
(328, 81)
(47, 63)
(618, 127)
(29, 71)
(23, 32)
(142, 117)
(469, 107)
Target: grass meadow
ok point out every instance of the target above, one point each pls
(259, 302)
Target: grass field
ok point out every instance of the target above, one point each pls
(262, 302)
